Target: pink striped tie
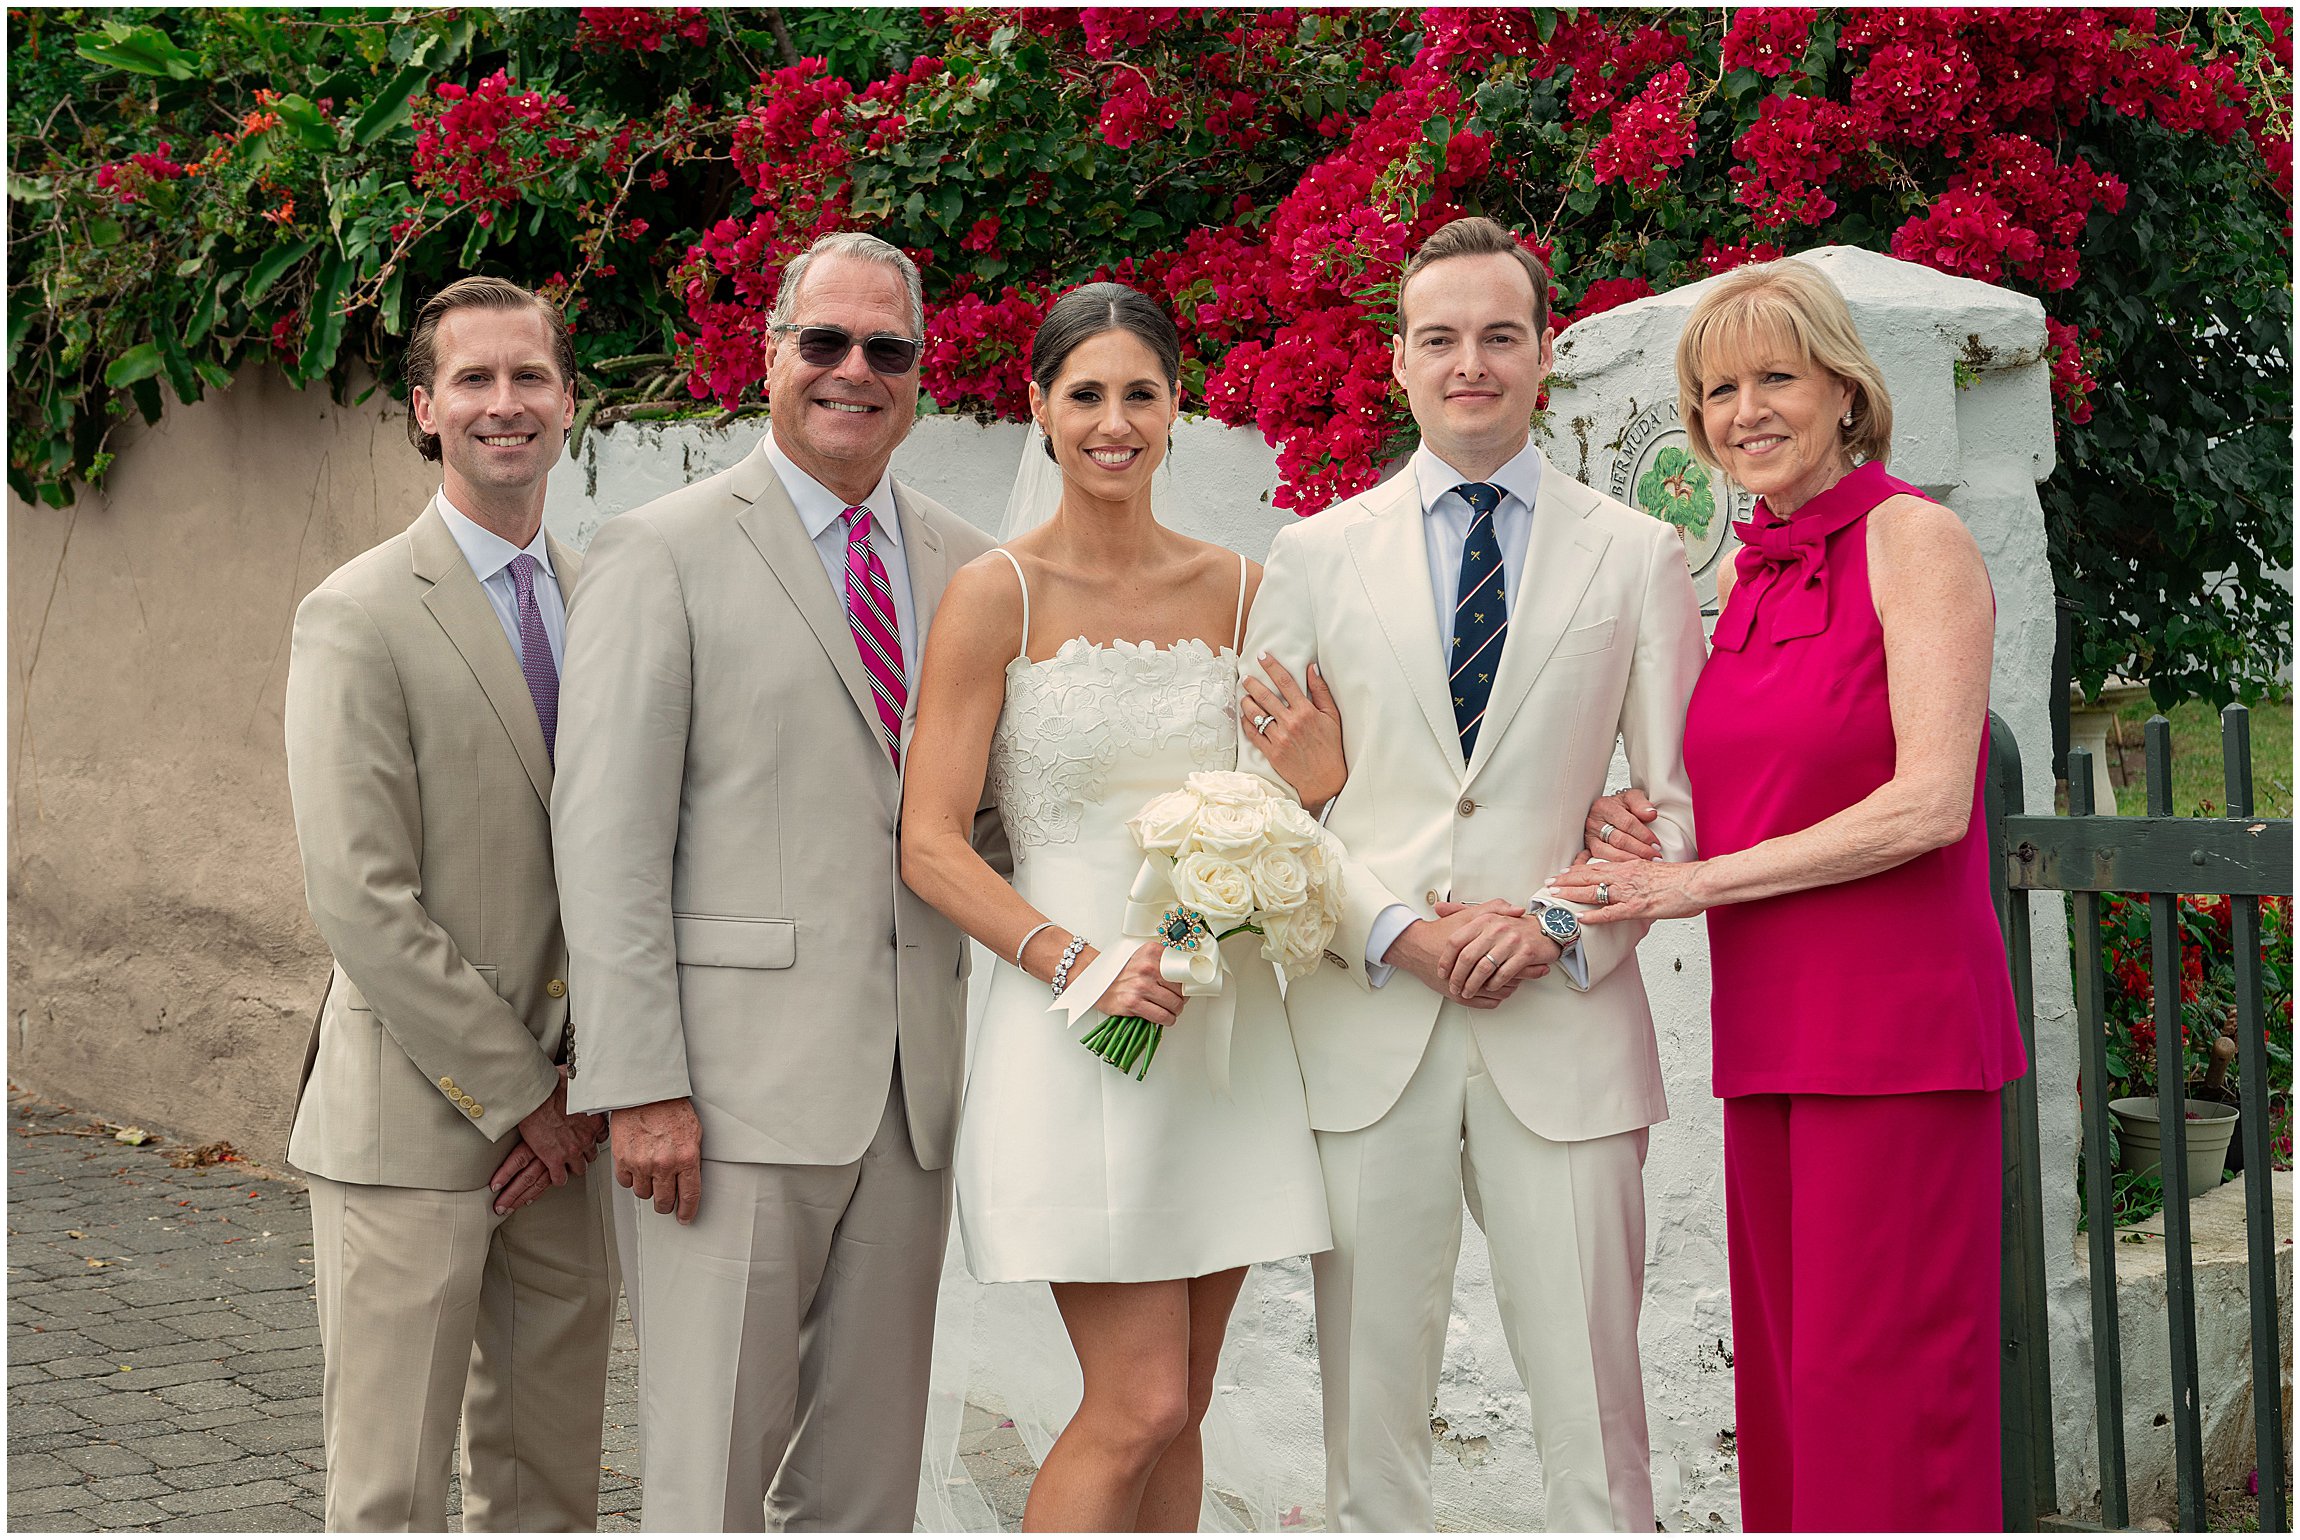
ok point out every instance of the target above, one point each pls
(870, 612)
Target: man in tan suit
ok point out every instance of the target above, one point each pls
(1489, 628)
(775, 1020)
(457, 1236)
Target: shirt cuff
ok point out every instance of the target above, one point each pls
(1388, 926)
(1575, 965)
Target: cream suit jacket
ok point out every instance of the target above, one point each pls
(1604, 641)
(422, 795)
(725, 818)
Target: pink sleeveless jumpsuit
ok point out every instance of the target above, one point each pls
(1861, 1032)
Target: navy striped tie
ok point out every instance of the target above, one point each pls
(1480, 613)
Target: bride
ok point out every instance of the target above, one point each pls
(1083, 668)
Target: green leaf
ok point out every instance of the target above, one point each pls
(303, 118)
(105, 232)
(203, 315)
(390, 106)
(271, 264)
(138, 50)
(179, 367)
(214, 373)
(140, 362)
(20, 319)
(26, 189)
(326, 333)
(146, 394)
(394, 298)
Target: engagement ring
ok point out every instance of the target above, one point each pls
(1604, 833)
(1604, 895)
(1262, 722)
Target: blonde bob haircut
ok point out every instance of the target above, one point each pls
(1786, 304)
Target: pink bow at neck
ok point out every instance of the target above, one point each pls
(1783, 565)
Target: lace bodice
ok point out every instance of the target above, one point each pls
(1098, 721)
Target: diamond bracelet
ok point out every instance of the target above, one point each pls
(1062, 968)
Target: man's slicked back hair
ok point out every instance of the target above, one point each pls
(1477, 236)
(421, 361)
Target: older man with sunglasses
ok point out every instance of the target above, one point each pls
(774, 1020)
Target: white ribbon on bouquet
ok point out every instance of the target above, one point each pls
(1197, 972)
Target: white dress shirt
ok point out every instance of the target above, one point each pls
(823, 514)
(1446, 517)
(491, 556)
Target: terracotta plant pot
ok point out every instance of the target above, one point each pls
(2140, 1150)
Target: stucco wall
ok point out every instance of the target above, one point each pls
(161, 966)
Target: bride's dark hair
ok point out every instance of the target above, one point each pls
(1092, 309)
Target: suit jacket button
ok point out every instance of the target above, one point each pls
(556, 988)
(447, 1082)
(1466, 807)
(475, 1110)
(1430, 898)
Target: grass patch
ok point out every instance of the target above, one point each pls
(2196, 774)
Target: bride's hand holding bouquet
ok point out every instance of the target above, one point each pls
(1225, 854)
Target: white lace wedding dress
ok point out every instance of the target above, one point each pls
(1069, 1170)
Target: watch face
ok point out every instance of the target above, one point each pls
(1560, 924)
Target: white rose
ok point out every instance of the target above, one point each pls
(1229, 788)
(1229, 829)
(1295, 942)
(1281, 880)
(1165, 821)
(1218, 889)
(1293, 828)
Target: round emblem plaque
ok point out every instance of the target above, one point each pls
(1654, 471)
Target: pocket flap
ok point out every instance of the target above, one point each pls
(1583, 639)
(719, 941)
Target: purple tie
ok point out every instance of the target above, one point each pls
(535, 653)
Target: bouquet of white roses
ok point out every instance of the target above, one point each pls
(1227, 853)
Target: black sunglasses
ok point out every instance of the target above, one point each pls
(826, 347)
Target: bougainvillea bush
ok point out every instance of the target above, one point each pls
(193, 191)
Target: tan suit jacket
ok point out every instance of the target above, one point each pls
(422, 805)
(725, 816)
(1604, 642)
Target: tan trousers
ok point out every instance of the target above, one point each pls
(784, 1340)
(430, 1307)
(1565, 1228)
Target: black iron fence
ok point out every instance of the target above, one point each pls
(2088, 855)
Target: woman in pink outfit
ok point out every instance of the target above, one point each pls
(1862, 1009)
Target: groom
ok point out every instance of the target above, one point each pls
(1489, 628)
(775, 1021)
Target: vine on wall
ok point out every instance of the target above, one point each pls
(190, 192)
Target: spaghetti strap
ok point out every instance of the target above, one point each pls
(1238, 626)
(1024, 650)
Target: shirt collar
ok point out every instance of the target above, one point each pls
(819, 507)
(1519, 478)
(487, 551)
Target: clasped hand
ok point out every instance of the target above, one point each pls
(555, 1147)
(1475, 954)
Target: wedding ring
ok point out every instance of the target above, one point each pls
(1262, 722)
(1604, 833)
(1492, 961)
(1604, 895)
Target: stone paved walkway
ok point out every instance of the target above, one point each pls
(163, 1347)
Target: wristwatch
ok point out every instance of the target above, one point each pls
(1558, 923)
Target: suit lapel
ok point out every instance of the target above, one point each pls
(929, 563)
(460, 605)
(1392, 557)
(771, 523)
(1561, 559)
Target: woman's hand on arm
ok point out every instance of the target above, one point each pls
(1936, 610)
(1299, 730)
(962, 686)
